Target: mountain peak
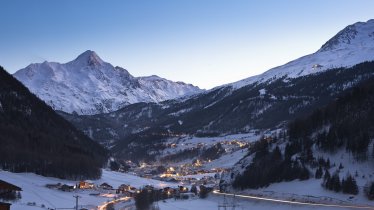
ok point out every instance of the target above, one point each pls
(90, 58)
(349, 34)
(88, 85)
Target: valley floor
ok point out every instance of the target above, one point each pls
(36, 196)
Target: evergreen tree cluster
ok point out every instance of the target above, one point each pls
(347, 185)
(349, 121)
(35, 139)
(369, 191)
(148, 195)
(269, 167)
(213, 152)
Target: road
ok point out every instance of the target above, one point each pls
(295, 202)
(104, 205)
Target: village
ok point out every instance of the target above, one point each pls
(181, 177)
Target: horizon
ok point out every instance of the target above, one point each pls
(206, 44)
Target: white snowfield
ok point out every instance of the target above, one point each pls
(88, 85)
(213, 202)
(353, 45)
(34, 190)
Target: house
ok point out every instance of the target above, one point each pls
(8, 186)
(123, 188)
(53, 186)
(66, 188)
(9, 191)
(126, 190)
(317, 66)
(85, 185)
(5, 206)
(105, 186)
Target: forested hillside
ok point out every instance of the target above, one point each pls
(35, 139)
(346, 123)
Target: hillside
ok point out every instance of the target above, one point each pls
(89, 85)
(266, 101)
(35, 139)
(352, 45)
(223, 111)
(334, 143)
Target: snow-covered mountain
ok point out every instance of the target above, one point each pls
(352, 45)
(268, 104)
(88, 85)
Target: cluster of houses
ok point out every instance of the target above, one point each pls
(123, 189)
(180, 192)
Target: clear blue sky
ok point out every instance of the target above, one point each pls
(203, 42)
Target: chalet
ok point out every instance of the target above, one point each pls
(317, 66)
(123, 188)
(183, 189)
(105, 186)
(85, 185)
(8, 191)
(53, 186)
(126, 190)
(66, 188)
(5, 206)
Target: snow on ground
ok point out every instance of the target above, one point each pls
(231, 143)
(226, 160)
(34, 190)
(212, 202)
(343, 51)
(199, 176)
(309, 191)
(116, 179)
(189, 142)
(313, 191)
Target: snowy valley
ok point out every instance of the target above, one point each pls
(299, 136)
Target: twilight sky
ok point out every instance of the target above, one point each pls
(203, 42)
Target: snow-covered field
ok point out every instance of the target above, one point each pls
(312, 191)
(233, 152)
(212, 202)
(34, 190)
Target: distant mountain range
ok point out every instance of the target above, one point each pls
(88, 85)
(266, 101)
(259, 102)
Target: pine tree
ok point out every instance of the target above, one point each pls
(319, 173)
(370, 191)
(341, 166)
(349, 186)
(328, 165)
(335, 182)
(327, 175)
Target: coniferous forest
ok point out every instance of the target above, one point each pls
(35, 139)
(345, 123)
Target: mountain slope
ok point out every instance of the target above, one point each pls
(88, 85)
(223, 111)
(337, 138)
(352, 45)
(35, 139)
(263, 102)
